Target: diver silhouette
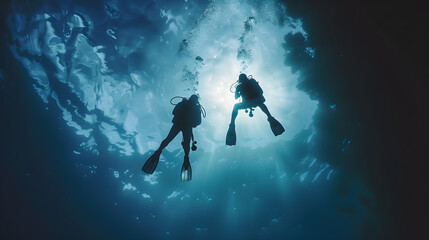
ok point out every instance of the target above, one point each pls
(187, 115)
(251, 94)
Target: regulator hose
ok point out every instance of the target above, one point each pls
(203, 110)
(171, 100)
(233, 85)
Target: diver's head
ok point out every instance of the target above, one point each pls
(242, 77)
(194, 98)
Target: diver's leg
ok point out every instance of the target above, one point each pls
(186, 132)
(152, 162)
(186, 172)
(171, 135)
(234, 114)
(264, 109)
(230, 135)
(275, 125)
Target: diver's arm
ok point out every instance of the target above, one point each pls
(260, 89)
(198, 116)
(177, 107)
(237, 92)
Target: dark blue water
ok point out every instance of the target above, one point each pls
(84, 91)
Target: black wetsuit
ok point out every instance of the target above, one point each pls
(251, 94)
(187, 115)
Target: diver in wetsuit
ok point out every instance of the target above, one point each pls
(251, 95)
(187, 115)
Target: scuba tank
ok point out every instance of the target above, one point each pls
(203, 110)
(234, 86)
(203, 113)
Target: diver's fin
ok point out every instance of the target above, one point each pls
(186, 173)
(151, 163)
(231, 138)
(276, 127)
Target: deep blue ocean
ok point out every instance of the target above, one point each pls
(85, 100)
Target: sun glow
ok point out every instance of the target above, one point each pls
(135, 95)
(221, 69)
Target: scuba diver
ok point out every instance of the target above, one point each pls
(251, 94)
(187, 115)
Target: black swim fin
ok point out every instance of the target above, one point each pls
(231, 138)
(186, 172)
(151, 163)
(276, 126)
